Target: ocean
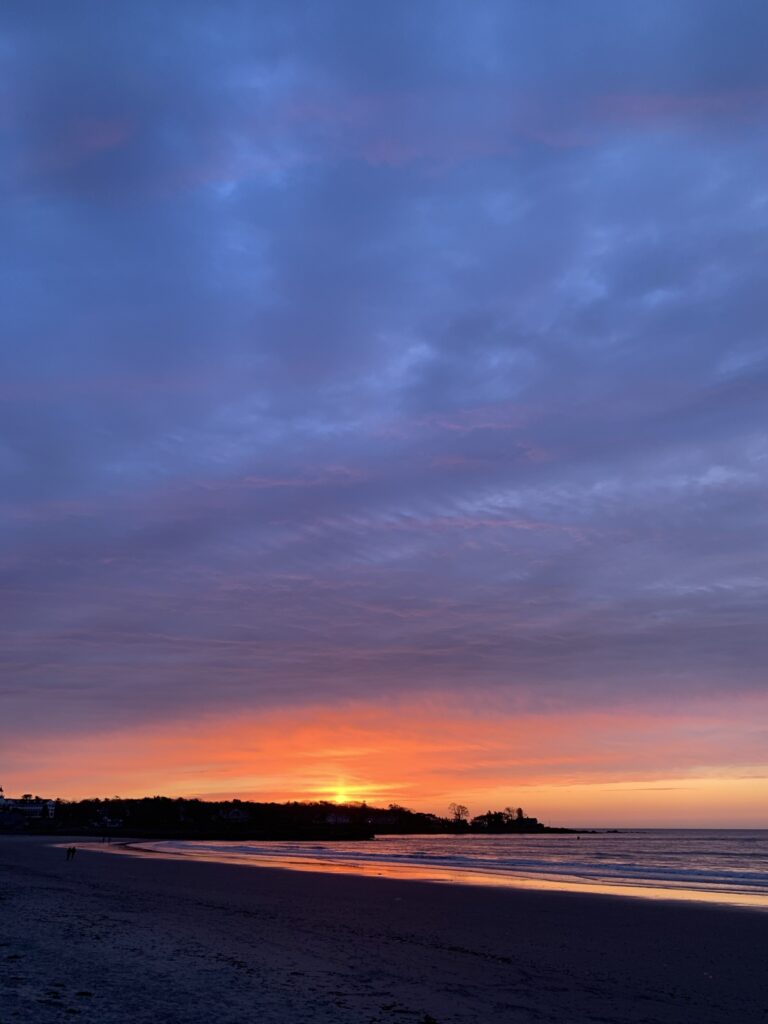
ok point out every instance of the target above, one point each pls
(712, 865)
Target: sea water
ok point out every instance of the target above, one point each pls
(712, 865)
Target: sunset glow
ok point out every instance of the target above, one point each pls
(577, 768)
(383, 408)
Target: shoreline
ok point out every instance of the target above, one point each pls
(446, 875)
(142, 939)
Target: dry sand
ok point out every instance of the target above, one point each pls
(110, 938)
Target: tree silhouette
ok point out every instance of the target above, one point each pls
(458, 812)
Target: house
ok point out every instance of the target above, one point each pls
(337, 818)
(27, 806)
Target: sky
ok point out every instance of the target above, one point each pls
(383, 404)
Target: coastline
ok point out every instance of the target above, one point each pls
(440, 874)
(144, 939)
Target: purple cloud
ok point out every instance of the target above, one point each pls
(352, 352)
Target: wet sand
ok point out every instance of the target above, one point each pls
(110, 938)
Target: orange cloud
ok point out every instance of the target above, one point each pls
(695, 764)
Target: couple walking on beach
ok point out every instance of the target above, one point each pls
(71, 851)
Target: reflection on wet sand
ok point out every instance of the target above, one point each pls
(446, 874)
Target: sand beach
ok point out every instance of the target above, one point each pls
(109, 938)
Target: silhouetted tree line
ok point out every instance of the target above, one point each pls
(167, 817)
(510, 820)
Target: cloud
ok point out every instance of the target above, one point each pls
(354, 354)
(430, 751)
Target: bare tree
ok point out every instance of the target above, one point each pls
(458, 812)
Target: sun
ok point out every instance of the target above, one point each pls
(341, 795)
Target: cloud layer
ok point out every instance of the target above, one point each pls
(352, 351)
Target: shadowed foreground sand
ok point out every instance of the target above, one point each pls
(111, 938)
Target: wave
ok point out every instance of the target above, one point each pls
(727, 866)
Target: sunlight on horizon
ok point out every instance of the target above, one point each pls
(585, 769)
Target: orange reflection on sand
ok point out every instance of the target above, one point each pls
(455, 876)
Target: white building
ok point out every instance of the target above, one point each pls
(30, 806)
